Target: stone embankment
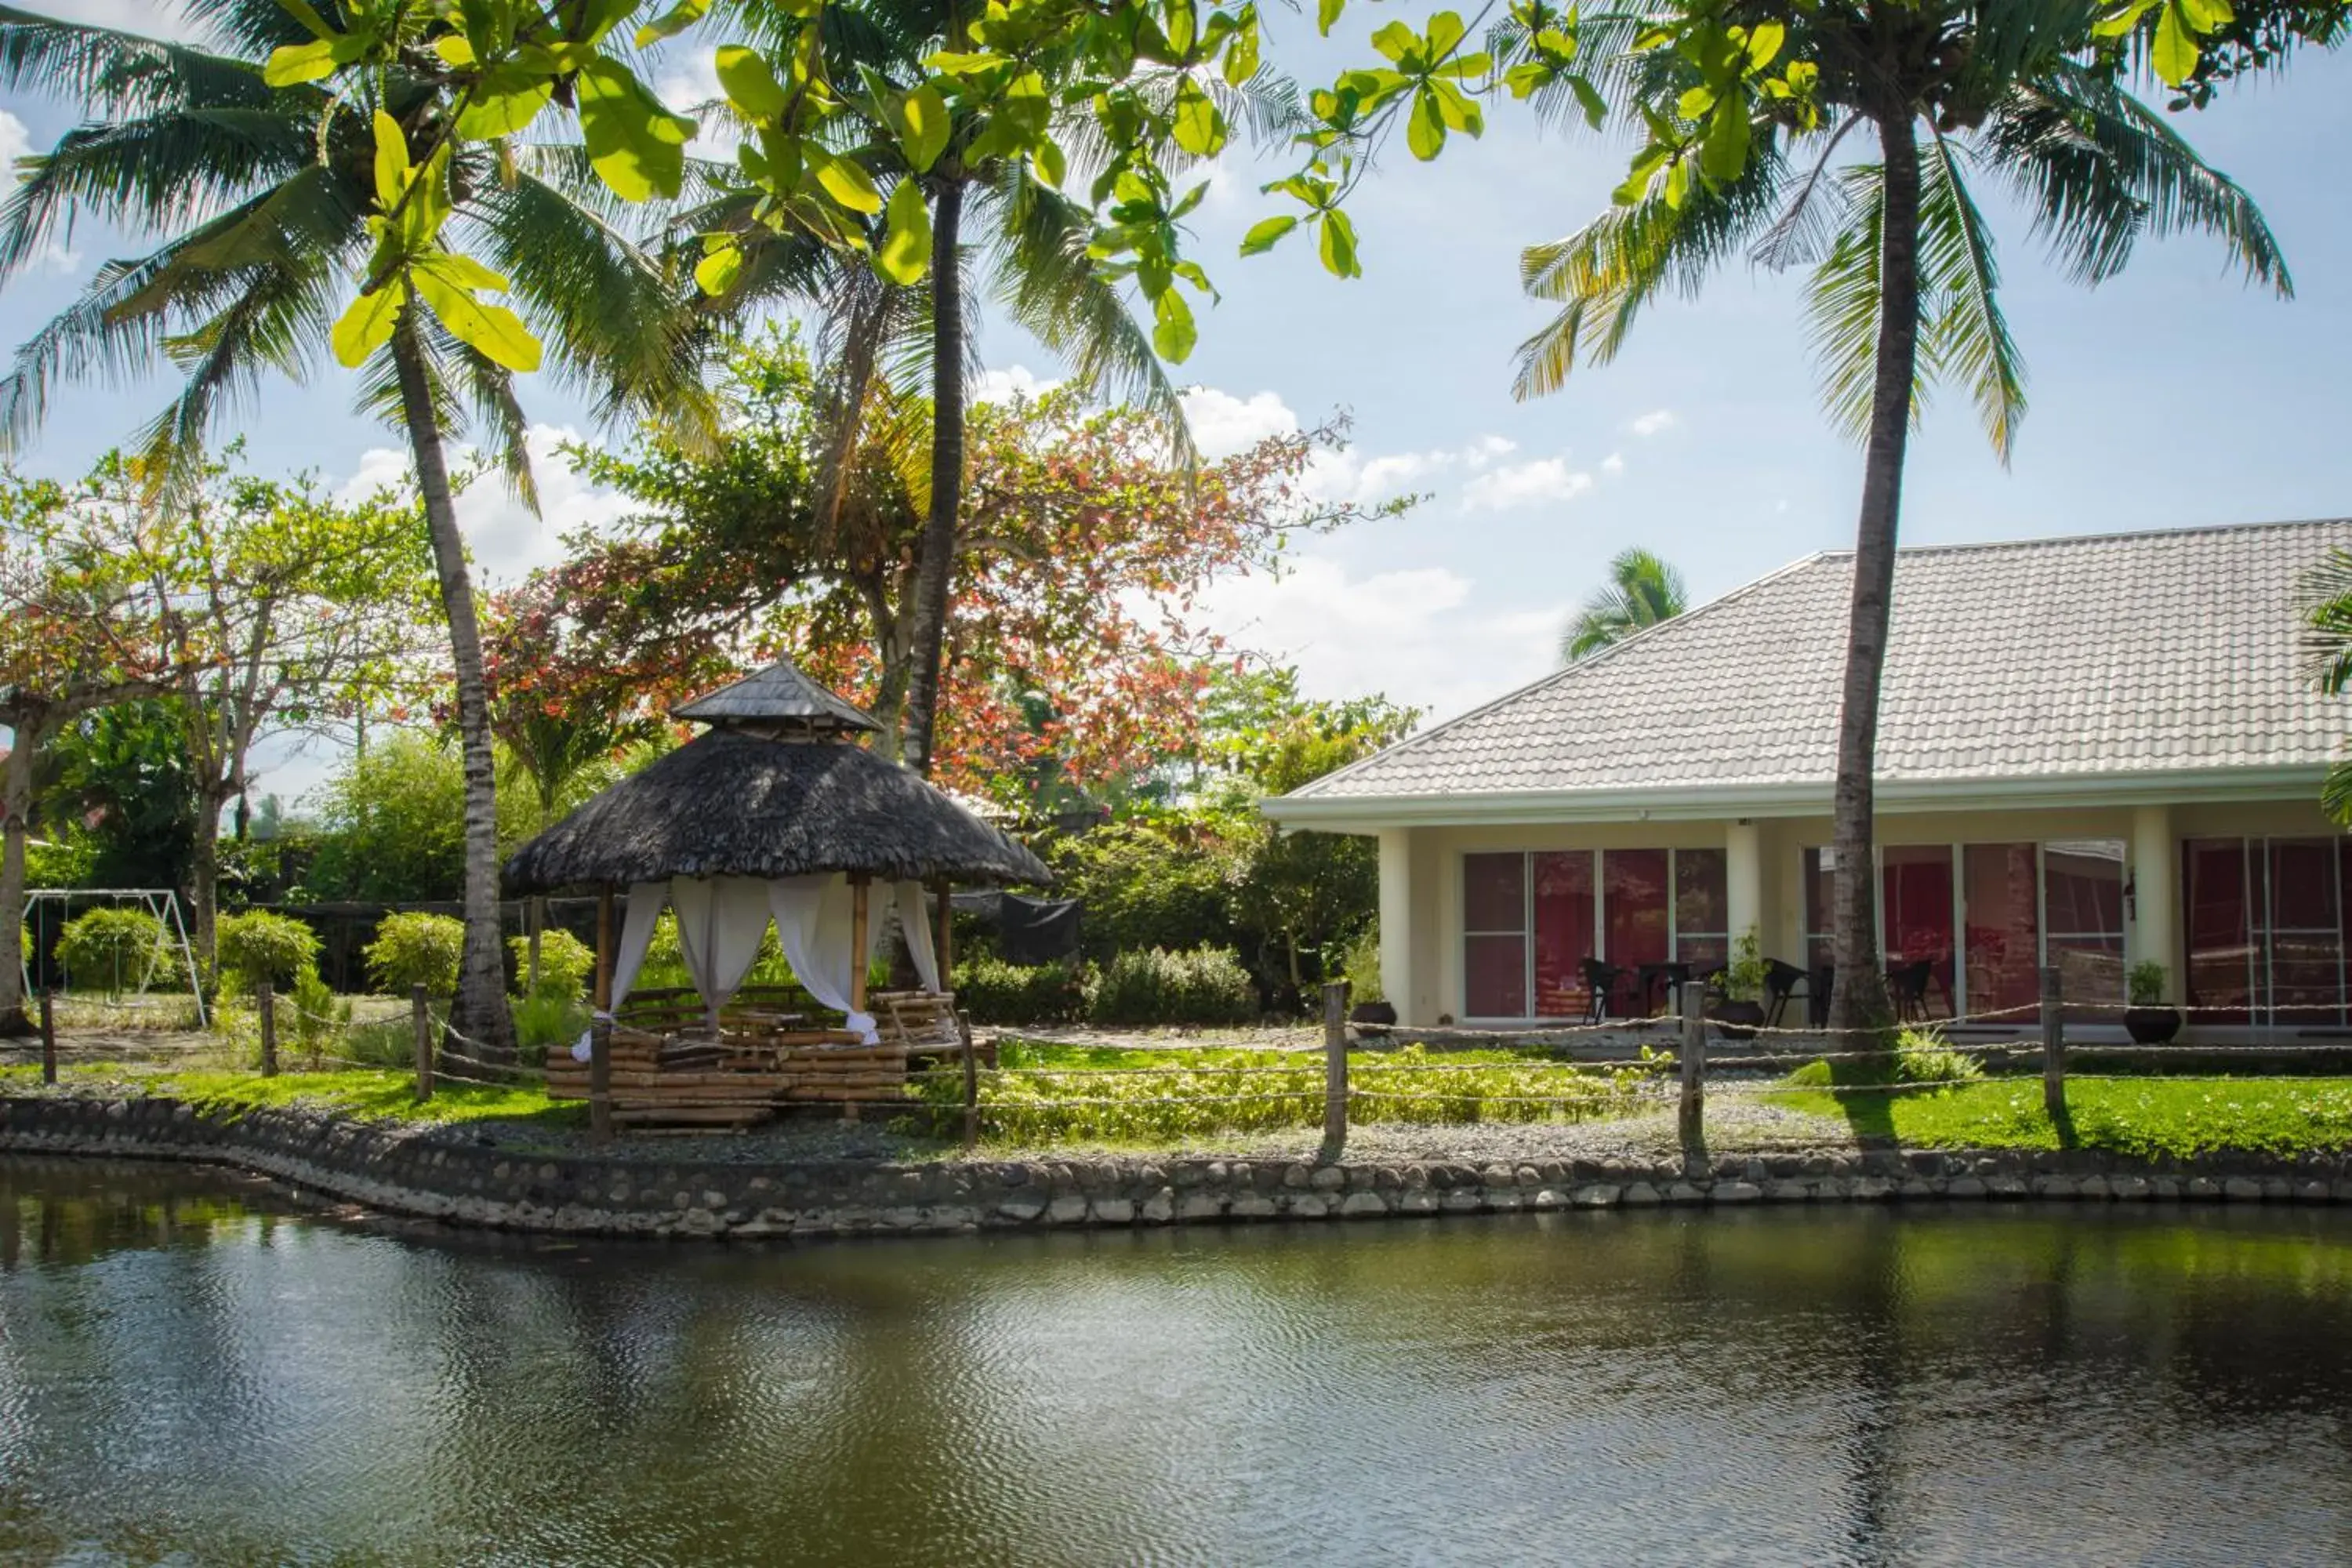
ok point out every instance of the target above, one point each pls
(441, 1173)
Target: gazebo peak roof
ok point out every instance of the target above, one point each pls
(779, 699)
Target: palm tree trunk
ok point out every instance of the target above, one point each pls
(936, 563)
(15, 811)
(1859, 997)
(479, 1010)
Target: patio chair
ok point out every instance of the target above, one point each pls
(1781, 982)
(1659, 981)
(1600, 980)
(1907, 984)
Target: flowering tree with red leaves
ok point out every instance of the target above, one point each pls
(1074, 646)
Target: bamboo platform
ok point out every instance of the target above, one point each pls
(668, 1074)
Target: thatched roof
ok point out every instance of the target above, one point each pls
(779, 699)
(728, 804)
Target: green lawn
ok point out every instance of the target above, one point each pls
(2146, 1117)
(369, 1093)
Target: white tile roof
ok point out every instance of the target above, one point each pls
(2121, 654)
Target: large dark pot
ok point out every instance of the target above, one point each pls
(2151, 1026)
(1737, 1020)
(1379, 1015)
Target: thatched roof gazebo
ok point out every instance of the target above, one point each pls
(776, 812)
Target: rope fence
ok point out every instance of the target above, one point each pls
(1289, 1074)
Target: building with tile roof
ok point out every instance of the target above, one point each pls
(2091, 752)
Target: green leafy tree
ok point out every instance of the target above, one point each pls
(120, 776)
(1642, 590)
(269, 188)
(392, 824)
(2326, 606)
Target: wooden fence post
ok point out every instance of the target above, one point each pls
(1334, 1069)
(1690, 1120)
(2053, 1044)
(421, 1015)
(970, 1083)
(268, 1002)
(600, 1079)
(49, 1036)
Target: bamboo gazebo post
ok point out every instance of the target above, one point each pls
(944, 944)
(600, 1028)
(858, 884)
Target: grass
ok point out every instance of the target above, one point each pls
(1193, 1093)
(2149, 1117)
(367, 1094)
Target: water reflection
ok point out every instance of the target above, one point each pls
(186, 1371)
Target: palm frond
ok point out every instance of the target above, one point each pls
(114, 75)
(1799, 234)
(2099, 169)
(2323, 599)
(1606, 271)
(1962, 330)
(1842, 300)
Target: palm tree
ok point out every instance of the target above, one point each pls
(1642, 590)
(1905, 286)
(259, 198)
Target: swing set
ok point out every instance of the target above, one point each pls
(47, 910)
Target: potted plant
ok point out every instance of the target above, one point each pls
(1372, 1010)
(2150, 1020)
(1741, 1012)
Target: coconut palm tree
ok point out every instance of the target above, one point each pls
(258, 200)
(1642, 590)
(2326, 611)
(1929, 99)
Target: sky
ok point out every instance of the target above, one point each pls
(2173, 396)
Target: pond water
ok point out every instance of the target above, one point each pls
(193, 1372)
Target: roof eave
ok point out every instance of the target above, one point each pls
(1803, 797)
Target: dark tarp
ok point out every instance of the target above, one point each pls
(1028, 931)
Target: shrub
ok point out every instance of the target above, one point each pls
(260, 946)
(548, 1022)
(565, 963)
(319, 1015)
(1922, 1056)
(416, 950)
(1198, 985)
(996, 992)
(111, 948)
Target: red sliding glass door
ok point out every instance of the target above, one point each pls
(1564, 932)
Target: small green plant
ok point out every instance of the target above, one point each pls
(320, 1015)
(548, 1021)
(110, 950)
(1198, 985)
(412, 950)
(565, 963)
(994, 992)
(1744, 977)
(258, 946)
(1921, 1055)
(1361, 964)
(2146, 980)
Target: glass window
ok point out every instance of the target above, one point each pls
(1495, 936)
(2306, 942)
(1563, 932)
(1702, 909)
(2002, 930)
(1634, 904)
(1916, 883)
(2220, 938)
(2083, 913)
(1820, 906)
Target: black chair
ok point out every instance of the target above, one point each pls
(1906, 986)
(1817, 995)
(1781, 982)
(1600, 979)
(1649, 981)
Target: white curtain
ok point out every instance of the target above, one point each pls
(915, 919)
(721, 921)
(814, 919)
(647, 901)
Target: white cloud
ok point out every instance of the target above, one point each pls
(507, 540)
(1349, 475)
(1525, 484)
(1223, 425)
(15, 142)
(147, 18)
(689, 79)
(1002, 385)
(1420, 634)
(1652, 423)
(1487, 448)
(1612, 464)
